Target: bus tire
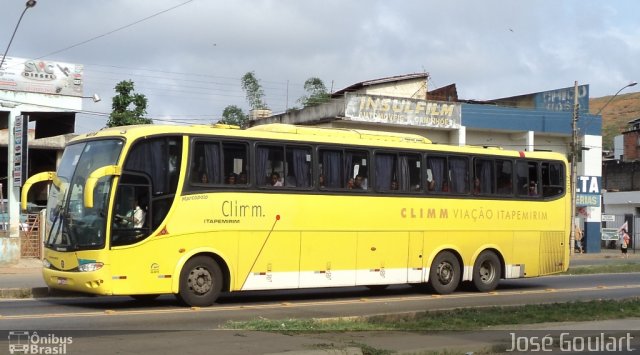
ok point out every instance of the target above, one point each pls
(486, 271)
(444, 273)
(200, 282)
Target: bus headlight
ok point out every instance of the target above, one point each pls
(46, 264)
(90, 267)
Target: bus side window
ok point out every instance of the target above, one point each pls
(130, 215)
(504, 172)
(385, 172)
(437, 179)
(205, 163)
(357, 168)
(459, 170)
(552, 179)
(235, 163)
(332, 168)
(298, 167)
(270, 165)
(483, 177)
(527, 179)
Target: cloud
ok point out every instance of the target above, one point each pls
(189, 61)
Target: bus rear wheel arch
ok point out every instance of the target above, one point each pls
(487, 271)
(445, 273)
(201, 281)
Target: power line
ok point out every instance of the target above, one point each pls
(115, 30)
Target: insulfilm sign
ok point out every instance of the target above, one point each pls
(402, 111)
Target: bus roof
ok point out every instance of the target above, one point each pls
(309, 134)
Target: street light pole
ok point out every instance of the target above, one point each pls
(29, 4)
(13, 192)
(574, 166)
(633, 83)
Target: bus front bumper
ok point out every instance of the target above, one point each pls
(94, 282)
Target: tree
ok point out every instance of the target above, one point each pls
(128, 107)
(253, 91)
(316, 92)
(234, 115)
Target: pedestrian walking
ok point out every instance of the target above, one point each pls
(624, 243)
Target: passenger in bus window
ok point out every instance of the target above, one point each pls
(394, 185)
(358, 182)
(533, 188)
(350, 183)
(231, 180)
(321, 181)
(476, 186)
(275, 180)
(445, 186)
(504, 186)
(242, 178)
(204, 179)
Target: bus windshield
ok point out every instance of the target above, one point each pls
(72, 226)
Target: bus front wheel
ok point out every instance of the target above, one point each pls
(200, 282)
(486, 272)
(444, 274)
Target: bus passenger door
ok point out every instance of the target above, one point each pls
(382, 258)
(415, 269)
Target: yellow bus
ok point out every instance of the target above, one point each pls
(195, 211)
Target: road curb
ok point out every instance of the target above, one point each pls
(34, 292)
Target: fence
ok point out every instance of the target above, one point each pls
(31, 236)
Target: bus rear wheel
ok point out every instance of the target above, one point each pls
(200, 282)
(486, 272)
(444, 274)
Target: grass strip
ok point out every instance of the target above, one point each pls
(456, 319)
(622, 267)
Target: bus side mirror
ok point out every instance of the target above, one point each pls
(44, 176)
(92, 180)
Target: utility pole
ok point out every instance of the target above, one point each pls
(574, 167)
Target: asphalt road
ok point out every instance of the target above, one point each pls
(120, 325)
(118, 313)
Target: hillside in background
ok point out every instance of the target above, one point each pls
(623, 108)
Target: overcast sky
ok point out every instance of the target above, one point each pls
(188, 61)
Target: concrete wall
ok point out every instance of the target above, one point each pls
(9, 250)
(621, 176)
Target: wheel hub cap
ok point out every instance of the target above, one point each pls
(200, 280)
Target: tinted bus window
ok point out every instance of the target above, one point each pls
(504, 172)
(397, 172)
(284, 166)
(437, 174)
(297, 167)
(459, 174)
(205, 163)
(235, 163)
(527, 180)
(356, 165)
(483, 177)
(552, 179)
(331, 169)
